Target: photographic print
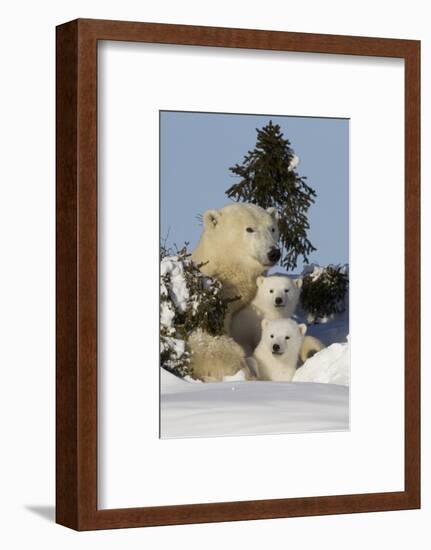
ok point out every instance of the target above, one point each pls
(203, 274)
(254, 274)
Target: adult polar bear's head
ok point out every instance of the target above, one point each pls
(242, 231)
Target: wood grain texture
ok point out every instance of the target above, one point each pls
(412, 274)
(67, 479)
(76, 408)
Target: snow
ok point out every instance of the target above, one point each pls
(314, 270)
(170, 266)
(316, 400)
(239, 376)
(167, 314)
(179, 293)
(173, 286)
(329, 366)
(293, 163)
(177, 348)
(190, 409)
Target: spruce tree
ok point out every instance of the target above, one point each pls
(324, 291)
(268, 178)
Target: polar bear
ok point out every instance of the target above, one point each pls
(214, 357)
(276, 298)
(276, 356)
(310, 346)
(238, 243)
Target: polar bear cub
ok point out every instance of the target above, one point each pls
(276, 356)
(276, 298)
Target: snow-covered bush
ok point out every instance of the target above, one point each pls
(324, 291)
(188, 300)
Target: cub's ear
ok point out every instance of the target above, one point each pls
(273, 212)
(302, 328)
(298, 282)
(259, 280)
(211, 219)
(264, 323)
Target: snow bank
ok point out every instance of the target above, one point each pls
(169, 383)
(329, 366)
(317, 400)
(191, 409)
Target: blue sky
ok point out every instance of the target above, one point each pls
(197, 149)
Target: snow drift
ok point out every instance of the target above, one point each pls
(190, 409)
(317, 400)
(329, 366)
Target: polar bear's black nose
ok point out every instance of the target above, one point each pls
(278, 301)
(276, 347)
(274, 255)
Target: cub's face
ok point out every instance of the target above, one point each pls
(279, 292)
(244, 231)
(281, 335)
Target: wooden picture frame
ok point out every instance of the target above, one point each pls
(76, 208)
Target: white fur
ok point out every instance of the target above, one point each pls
(310, 346)
(234, 248)
(214, 357)
(276, 298)
(277, 354)
(236, 257)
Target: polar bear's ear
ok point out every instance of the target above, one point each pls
(273, 212)
(302, 328)
(298, 282)
(259, 280)
(211, 218)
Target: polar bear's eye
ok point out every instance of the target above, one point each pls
(287, 337)
(273, 230)
(286, 290)
(271, 291)
(272, 336)
(250, 230)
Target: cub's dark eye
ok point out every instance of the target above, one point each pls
(286, 290)
(272, 336)
(287, 337)
(250, 230)
(271, 291)
(273, 230)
